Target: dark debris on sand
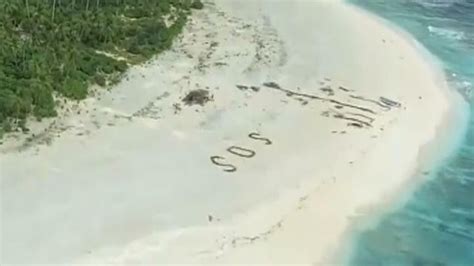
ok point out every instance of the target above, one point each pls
(272, 84)
(198, 96)
(243, 88)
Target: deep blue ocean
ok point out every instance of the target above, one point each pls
(436, 225)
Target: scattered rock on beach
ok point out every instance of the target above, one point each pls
(177, 108)
(272, 84)
(327, 90)
(242, 87)
(255, 88)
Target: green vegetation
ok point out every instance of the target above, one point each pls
(61, 47)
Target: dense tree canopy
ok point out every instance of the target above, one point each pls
(56, 46)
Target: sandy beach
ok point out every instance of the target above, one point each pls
(316, 116)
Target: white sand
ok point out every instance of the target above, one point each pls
(129, 180)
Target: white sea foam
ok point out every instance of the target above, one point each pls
(448, 33)
(437, 3)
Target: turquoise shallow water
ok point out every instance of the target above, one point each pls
(436, 225)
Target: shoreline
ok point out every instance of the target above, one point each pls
(448, 137)
(432, 154)
(436, 149)
(430, 157)
(294, 202)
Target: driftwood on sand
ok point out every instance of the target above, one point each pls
(390, 103)
(275, 86)
(384, 106)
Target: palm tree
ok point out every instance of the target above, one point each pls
(27, 8)
(54, 10)
(8, 7)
